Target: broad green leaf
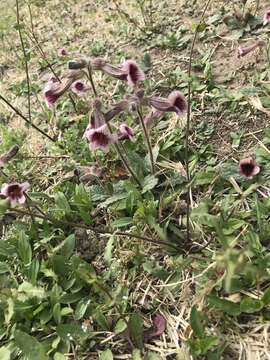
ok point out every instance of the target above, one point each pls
(62, 204)
(266, 297)
(225, 305)
(149, 183)
(250, 305)
(81, 308)
(113, 199)
(31, 348)
(120, 326)
(4, 353)
(196, 322)
(101, 320)
(106, 355)
(135, 326)
(70, 332)
(68, 246)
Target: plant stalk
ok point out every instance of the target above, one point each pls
(148, 143)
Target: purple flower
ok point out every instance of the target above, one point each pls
(248, 168)
(158, 327)
(62, 52)
(134, 74)
(54, 88)
(266, 18)
(126, 133)
(79, 88)
(129, 71)
(243, 51)
(176, 102)
(99, 138)
(15, 192)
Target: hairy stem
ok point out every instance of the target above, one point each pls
(189, 118)
(25, 60)
(148, 143)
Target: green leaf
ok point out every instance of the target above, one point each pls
(120, 326)
(69, 332)
(24, 248)
(4, 268)
(250, 305)
(113, 199)
(196, 322)
(135, 326)
(266, 297)
(152, 356)
(4, 353)
(225, 305)
(122, 222)
(101, 320)
(30, 291)
(81, 308)
(106, 355)
(68, 246)
(149, 183)
(136, 354)
(62, 205)
(108, 250)
(57, 313)
(59, 356)
(31, 348)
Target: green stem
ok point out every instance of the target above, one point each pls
(148, 143)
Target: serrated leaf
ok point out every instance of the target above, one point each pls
(31, 348)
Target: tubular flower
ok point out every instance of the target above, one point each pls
(128, 71)
(54, 88)
(243, 51)
(15, 192)
(79, 88)
(176, 102)
(133, 71)
(99, 138)
(266, 18)
(5, 158)
(248, 168)
(125, 133)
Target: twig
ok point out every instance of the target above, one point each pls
(97, 231)
(189, 117)
(25, 118)
(148, 143)
(25, 61)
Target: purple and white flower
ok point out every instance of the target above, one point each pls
(248, 168)
(15, 192)
(125, 133)
(99, 138)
